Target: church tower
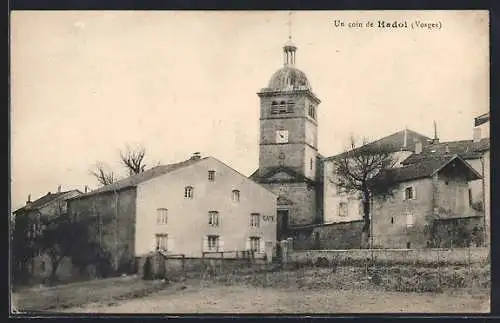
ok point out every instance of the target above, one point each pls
(288, 154)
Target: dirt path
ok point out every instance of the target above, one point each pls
(243, 299)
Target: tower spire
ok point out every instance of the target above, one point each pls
(290, 26)
(289, 49)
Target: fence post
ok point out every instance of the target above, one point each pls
(284, 251)
(438, 269)
(469, 266)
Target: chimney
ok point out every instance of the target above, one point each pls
(447, 149)
(86, 188)
(196, 156)
(59, 189)
(476, 135)
(436, 139)
(405, 138)
(28, 202)
(418, 147)
(48, 193)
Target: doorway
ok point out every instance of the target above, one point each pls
(282, 225)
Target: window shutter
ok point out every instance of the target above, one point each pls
(414, 192)
(204, 244)
(247, 244)
(404, 194)
(221, 244)
(170, 243)
(262, 246)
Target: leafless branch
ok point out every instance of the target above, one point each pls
(102, 174)
(133, 158)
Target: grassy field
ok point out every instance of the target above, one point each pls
(300, 290)
(251, 299)
(104, 291)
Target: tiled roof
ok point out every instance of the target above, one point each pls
(467, 149)
(42, 201)
(392, 143)
(136, 179)
(424, 168)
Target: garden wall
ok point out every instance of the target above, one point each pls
(462, 256)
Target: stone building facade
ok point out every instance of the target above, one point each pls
(289, 162)
(195, 206)
(423, 193)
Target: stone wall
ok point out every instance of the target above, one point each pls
(117, 232)
(342, 235)
(462, 256)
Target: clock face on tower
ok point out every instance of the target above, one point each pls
(281, 136)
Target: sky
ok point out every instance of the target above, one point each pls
(85, 84)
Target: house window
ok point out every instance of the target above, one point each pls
(409, 220)
(213, 218)
(274, 107)
(188, 192)
(392, 220)
(255, 244)
(213, 243)
(161, 242)
(342, 209)
(470, 197)
(283, 107)
(409, 193)
(211, 175)
(236, 195)
(290, 106)
(255, 220)
(161, 216)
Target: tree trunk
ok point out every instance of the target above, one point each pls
(53, 271)
(365, 235)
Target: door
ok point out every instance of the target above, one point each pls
(282, 225)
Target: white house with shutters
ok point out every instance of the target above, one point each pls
(203, 205)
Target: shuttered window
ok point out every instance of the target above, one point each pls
(409, 220)
(236, 195)
(213, 218)
(213, 243)
(255, 220)
(162, 242)
(161, 216)
(255, 244)
(189, 192)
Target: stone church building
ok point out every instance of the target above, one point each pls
(290, 165)
(289, 161)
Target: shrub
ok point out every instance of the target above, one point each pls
(322, 262)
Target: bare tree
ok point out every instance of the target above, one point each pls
(102, 174)
(133, 159)
(356, 171)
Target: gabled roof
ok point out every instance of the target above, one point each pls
(266, 178)
(467, 149)
(49, 197)
(281, 200)
(479, 120)
(134, 180)
(392, 143)
(425, 168)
